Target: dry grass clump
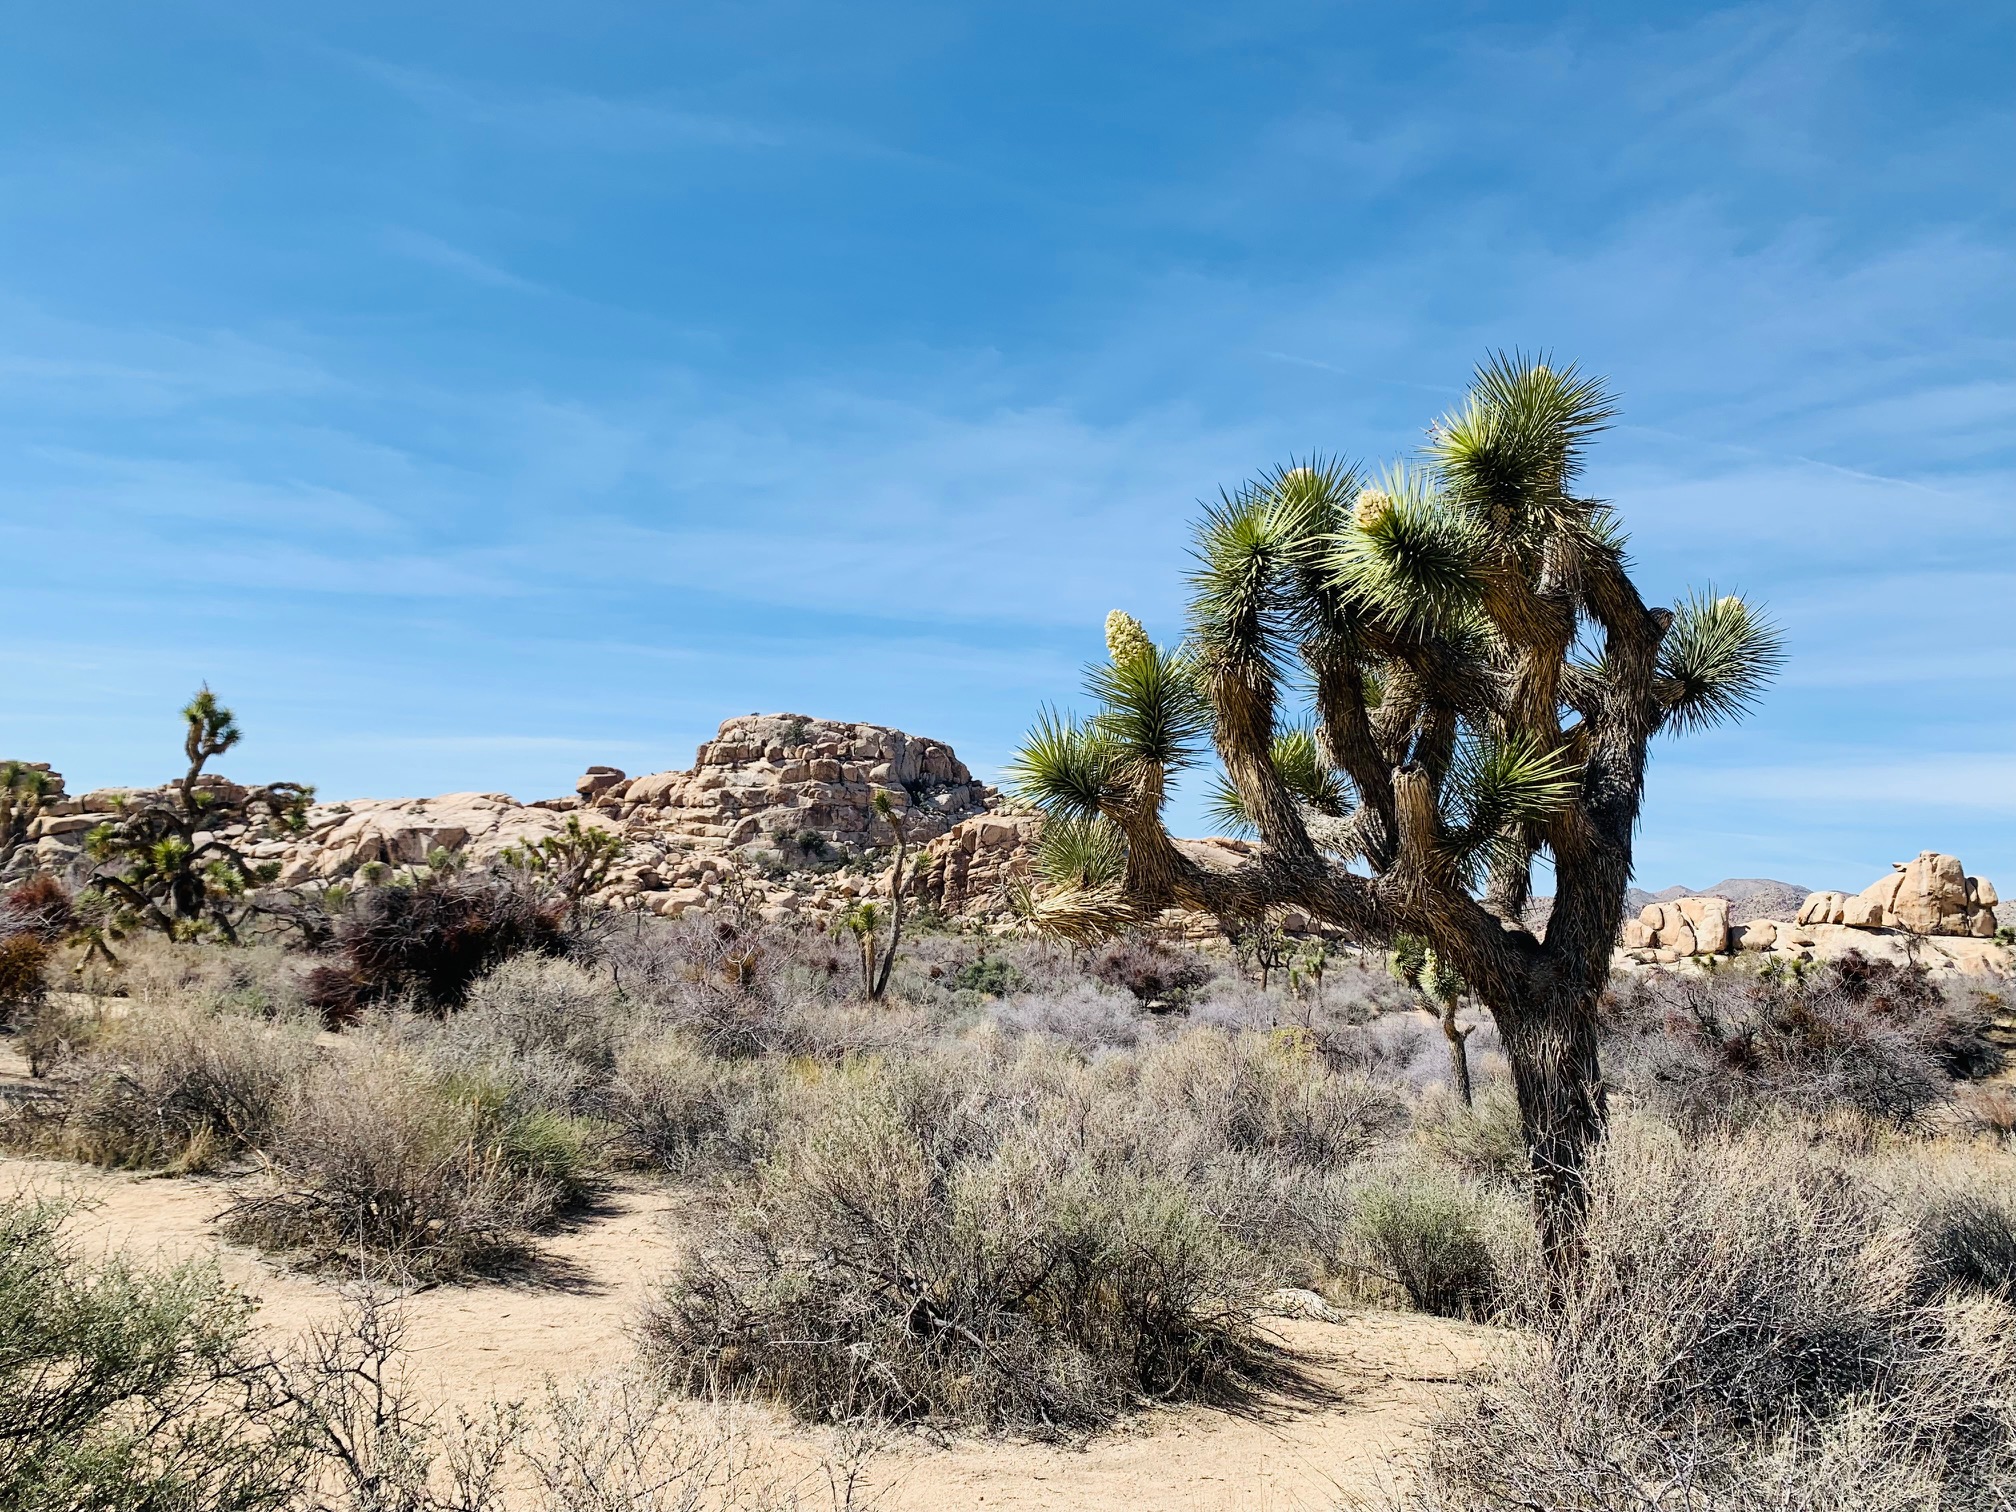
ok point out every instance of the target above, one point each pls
(749, 989)
(1750, 1330)
(250, 981)
(166, 1088)
(1015, 1236)
(377, 1163)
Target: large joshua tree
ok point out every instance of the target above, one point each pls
(1419, 685)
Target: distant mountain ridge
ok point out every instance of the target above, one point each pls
(1753, 897)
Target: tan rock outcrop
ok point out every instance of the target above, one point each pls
(1928, 911)
(969, 868)
(1932, 895)
(769, 774)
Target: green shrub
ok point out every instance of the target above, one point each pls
(988, 975)
(1426, 1235)
(125, 1388)
(378, 1165)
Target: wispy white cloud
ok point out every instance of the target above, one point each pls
(423, 247)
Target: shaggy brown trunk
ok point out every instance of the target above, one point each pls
(1552, 1048)
(1459, 1051)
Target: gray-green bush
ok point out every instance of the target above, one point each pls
(1748, 1329)
(378, 1163)
(126, 1388)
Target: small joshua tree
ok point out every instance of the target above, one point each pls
(1483, 680)
(24, 792)
(864, 920)
(575, 863)
(174, 858)
(1416, 964)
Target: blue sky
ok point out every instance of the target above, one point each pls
(471, 393)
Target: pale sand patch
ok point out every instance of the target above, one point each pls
(1378, 1374)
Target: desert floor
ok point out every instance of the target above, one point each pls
(1371, 1376)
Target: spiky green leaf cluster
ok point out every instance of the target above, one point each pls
(1298, 759)
(1067, 767)
(1408, 560)
(1079, 854)
(1496, 788)
(1716, 661)
(1151, 708)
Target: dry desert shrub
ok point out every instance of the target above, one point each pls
(1430, 1236)
(376, 1163)
(671, 1106)
(253, 980)
(1483, 1142)
(178, 1088)
(980, 1236)
(1747, 1331)
(367, 1442)
(1724, 1050)
(551, 1030)
(424, 942)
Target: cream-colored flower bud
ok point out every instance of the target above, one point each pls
(1371, 508)
(1126, 638)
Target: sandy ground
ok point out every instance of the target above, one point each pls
(1372, 1377)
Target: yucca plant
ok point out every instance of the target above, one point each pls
(1482, 681)
(175, 857)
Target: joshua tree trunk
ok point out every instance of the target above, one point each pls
(1563, 1111)
(888, 811)
(1459, 1051)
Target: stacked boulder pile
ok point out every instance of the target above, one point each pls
(777, 811)
(1927, 910)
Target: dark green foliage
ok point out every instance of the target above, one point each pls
(989, 975)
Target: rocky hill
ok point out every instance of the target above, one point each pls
(777, 808)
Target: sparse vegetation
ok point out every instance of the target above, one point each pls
(1032, 1189)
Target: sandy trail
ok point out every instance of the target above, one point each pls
(1375, 1374)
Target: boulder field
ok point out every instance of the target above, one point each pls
(1926, 910)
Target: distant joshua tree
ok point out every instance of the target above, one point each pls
(174, 859)
(1483, 683)
(24, 792)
